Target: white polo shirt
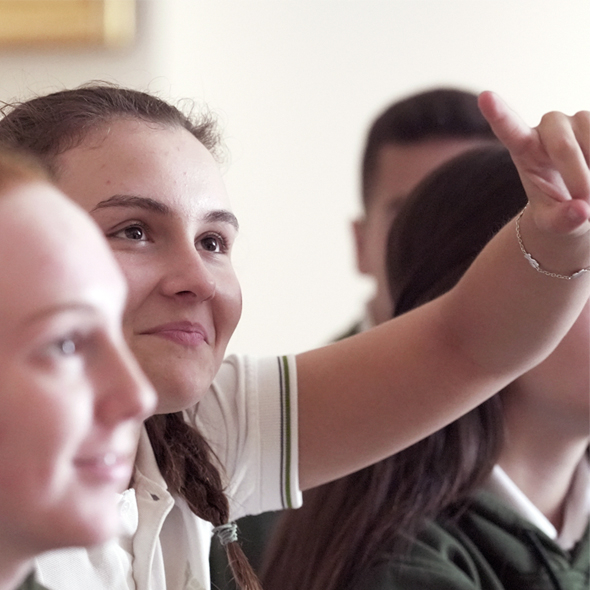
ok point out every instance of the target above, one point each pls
(249, 417)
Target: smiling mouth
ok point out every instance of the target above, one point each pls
(183, 333)
(106, 468)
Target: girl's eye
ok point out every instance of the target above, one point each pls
(60, 346)
(213, 243)
(135, 232)
(67, 346)
(64, 347)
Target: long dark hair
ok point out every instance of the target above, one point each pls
(47, 126)
(346, 524)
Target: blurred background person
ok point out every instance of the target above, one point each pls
(498, 499)
(409, 139)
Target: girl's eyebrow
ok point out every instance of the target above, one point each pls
(133, 201)
(224, 216)
(60, 308)
(221, 215)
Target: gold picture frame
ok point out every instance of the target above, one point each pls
(34, 23)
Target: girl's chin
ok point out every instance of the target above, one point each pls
(176, 395)
(87, 534)
(181, 376)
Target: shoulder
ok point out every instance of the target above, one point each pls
(249, 419)
(444, 556)
(356, 328)
(244, 376)
(489, 547)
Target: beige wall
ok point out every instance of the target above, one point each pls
(295, 84)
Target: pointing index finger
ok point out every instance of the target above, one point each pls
(508, 127)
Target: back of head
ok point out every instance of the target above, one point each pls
(442, 113)
(52, 124)
(447, 221)
(438, 232)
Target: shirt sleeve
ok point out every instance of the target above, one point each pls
(249, 419)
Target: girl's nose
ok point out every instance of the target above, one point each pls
(126, 392)
(187, 274)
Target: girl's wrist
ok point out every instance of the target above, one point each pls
(537, 265)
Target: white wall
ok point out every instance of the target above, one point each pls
(295, 84)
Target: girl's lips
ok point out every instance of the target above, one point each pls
(184, 333)
(108, 467)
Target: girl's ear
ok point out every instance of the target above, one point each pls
(359, 232)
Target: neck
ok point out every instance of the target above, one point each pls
(12, 574)
(377, 312)
(15, 561)
(541, 459)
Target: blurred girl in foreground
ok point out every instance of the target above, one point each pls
(72, 397)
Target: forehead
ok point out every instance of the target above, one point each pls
(132, 157)
(400, 167)
(51, 254)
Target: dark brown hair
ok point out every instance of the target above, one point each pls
(50, 125)
(441, 113)
(346, 524)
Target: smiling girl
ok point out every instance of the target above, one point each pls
(147, 175)
(72, 397)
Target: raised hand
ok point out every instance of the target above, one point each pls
(553, 163)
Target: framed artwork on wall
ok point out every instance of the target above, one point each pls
(37, 23)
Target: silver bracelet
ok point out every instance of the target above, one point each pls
(535, 263)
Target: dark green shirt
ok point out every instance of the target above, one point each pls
(489, 547)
